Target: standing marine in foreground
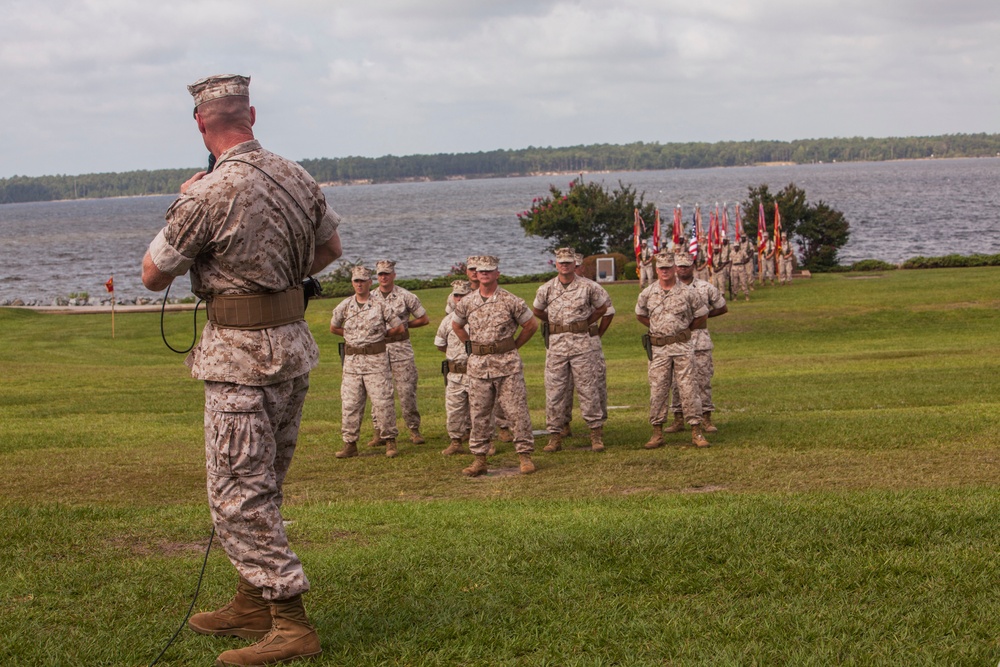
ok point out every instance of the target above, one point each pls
(365, 323)
(704, 366)
(456, 383)
(495, 371)
(404, 304)
(249, 232)
(671, 310)
(569, 305)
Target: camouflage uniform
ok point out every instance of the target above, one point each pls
(365, 375)
(571, 360)
(701, 263)
(456, 393)
(402, 304)
(671, 312)
(766, 269)
(785, 262)
(496, 378)
(255, 380)
(647, 272)
(701, 341)
(738, 272)
(721, 260)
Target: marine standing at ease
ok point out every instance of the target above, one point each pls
(671, 310)
(569, 305)
(249, 232)
(365, 323)
(405, 305)
(704, 367)
(495, 370)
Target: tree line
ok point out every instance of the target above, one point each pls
(639, 156)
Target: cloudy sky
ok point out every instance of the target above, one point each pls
(99, 85)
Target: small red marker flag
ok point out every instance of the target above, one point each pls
(110, 285)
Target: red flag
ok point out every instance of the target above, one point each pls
(725, 221)
(761, 229)
(636, 240)
(656, 233)
(678, 227)
(777, 231)
(738, 227)
(110, 285)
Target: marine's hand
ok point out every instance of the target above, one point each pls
(191, 181)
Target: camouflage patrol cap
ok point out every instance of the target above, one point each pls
(219, 85)
(385, 266)
(579, 258)
(665, 260)
(565, 255)
(487, 263)
(461, 287)
(472, 262)
(684, 259)
(361, 272)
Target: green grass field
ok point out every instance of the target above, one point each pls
(847, 512)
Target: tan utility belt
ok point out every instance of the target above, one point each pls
(399, 337)
(580, 326)
(457, 366)
(370, 348)
(681, 337)
(257, 311)
(505, 345)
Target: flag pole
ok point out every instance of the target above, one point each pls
(110, 286)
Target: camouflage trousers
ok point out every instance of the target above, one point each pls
(564, 376)
(250, 435)
(456, 406)
(786, 271)
(740, 279)
(512, 394)
(664, 371)
(767, 270)
(354, 391)
(702, 371)
(404, 378)
(647, 275)
(719, 279)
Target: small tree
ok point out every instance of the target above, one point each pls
(821, 235)
(587, 217)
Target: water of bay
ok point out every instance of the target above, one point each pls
(896, 210)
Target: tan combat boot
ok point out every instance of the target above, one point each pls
(291, 637)
(566, 431)
(656, 440)
(506, 435)
(477, 468)
(390, 448)
(706, 423)
(554, 444)
(376, 441)
(527, 466)
(455, 447)
(415, 437)
(350, 449)
(247, 615)
(597, 439)
(697, 437)
(493, 449)
(678, 425)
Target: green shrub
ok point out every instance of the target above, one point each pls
(872, 265)
(951, 261)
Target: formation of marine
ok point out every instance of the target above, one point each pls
(484, 326)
